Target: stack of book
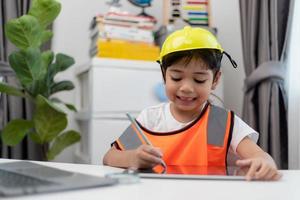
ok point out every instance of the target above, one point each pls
(119, 35)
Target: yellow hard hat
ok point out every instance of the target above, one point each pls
(189, 38)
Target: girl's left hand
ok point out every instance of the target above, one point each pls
(260, 168)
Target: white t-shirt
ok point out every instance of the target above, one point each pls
(160, 119)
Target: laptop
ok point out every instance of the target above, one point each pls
(24, 178)
(195, 172)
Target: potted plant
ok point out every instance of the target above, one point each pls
(35, 69)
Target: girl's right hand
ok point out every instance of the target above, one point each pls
(146, 156)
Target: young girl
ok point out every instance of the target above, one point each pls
(188, 130)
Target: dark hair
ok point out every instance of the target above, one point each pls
(211, 57)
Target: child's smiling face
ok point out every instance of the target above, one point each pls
(188, 86)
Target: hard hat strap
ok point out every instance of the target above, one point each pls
(231, 60)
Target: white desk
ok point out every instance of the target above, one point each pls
(153, 189)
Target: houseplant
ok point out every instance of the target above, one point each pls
(35, 69)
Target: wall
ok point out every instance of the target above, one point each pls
(293, 64)
(226, 18)
(71, 36)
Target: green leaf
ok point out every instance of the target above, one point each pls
(46, 35)
(71, 107)
(55, 100)
(39, 87)
(31, 69)
(15, 131)
(68, 105)
(24, 32)
(61, 142)
(35, 137)
(47, 57)
(49, 120)
(10, 90)
(61, 86)
(28, 66)
(45, 11)
(62, 62)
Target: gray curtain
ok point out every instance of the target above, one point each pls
(264, 25)
(13, 107)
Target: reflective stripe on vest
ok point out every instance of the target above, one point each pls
(203, 142)
(130, 139)
(217, 126)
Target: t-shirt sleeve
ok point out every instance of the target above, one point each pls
(142, 117)
(150, 116)
(240, 131)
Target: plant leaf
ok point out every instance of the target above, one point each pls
(61, 86)
(61, 142)
(47, 58)
(46, 35)
(49, 120)
(31, 69)
(55, 100)
(68, 105)
(28, 66)
(15, 131)
(10, 90)
(35, 137)
(71, 107)
(62, 62)
(24, 32)
(45, 11)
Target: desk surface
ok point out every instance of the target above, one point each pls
(287, 188)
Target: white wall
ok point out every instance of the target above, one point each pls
(71, 36)
(226, 18)
(294, 90)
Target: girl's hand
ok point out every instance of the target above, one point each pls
(146, 156)
(260, 167)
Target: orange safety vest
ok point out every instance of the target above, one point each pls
(204, 142)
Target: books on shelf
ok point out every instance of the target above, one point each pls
(127, 50)
(142, 22)
(120, 35)
(126, 33)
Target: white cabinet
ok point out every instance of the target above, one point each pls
(108, 89)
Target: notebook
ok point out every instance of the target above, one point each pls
(195, 172)
(24, 177)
